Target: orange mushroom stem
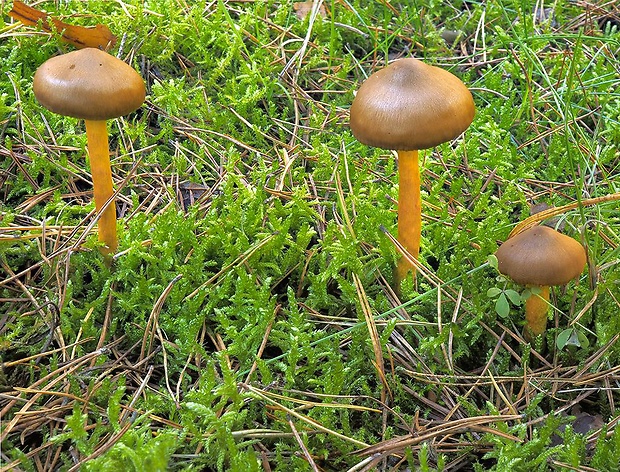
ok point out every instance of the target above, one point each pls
(536, 309)
(409, 210)
(99, 154)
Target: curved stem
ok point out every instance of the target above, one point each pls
(99, 154)
(409, 210)
(536, 308)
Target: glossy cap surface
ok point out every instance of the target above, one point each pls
(410, 105)
(541, 256)
(89, 84)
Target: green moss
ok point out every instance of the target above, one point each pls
(250, 220)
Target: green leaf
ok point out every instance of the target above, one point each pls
(572, 337)
(563, 338)
(492, 260)
(535, 290)
(493, 292)
(583, 339)
(501, 306)
(514, 297)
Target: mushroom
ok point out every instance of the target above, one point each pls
(94, 86)
(540, 257)
(408, 106)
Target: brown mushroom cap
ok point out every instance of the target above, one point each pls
(410, 105)
(541, 256)
(89, 84)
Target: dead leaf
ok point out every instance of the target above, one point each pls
(98, 36)
(303, 9)
(189, 192)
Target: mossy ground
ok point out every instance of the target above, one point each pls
(249, 321)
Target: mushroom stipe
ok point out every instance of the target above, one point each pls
(101, 171)
(409, 209)
(536, 309)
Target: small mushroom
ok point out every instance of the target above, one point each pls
(94, 86)
(408, 106)
(540, 257)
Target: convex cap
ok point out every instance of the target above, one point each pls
(541, 256)
(88, 84)
(410, 105)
